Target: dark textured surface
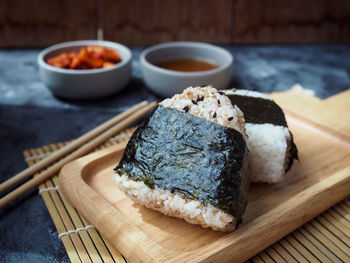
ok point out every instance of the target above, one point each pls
(171, 148)
(30, 116)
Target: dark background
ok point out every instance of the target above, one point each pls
(25, 23)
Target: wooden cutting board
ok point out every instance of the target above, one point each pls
(322, 178)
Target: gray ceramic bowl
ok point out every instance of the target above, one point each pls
(168, 82)
(89, 83)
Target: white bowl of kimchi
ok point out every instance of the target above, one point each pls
(79, 82)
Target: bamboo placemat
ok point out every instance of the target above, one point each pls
(324, 239)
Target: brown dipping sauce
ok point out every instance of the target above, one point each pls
(187, 65)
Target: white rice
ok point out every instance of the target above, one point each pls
(217, 108)
(169, 204)
(268, 146)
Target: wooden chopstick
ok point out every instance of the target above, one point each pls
(75, 154)
(69, 148)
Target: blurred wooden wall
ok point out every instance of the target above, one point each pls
(37, 23)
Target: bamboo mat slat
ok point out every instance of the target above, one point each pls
(326, 242)
(324, 239)
(330, 256)
(340, 231)
(339, 221)
(257, 259)
(292, 251)
(274, 255)
(343, 211)
(307, 255)
(265, 257)
(284, 253)
(312, 248)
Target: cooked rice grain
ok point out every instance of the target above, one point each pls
(169, 204)
(210, 105)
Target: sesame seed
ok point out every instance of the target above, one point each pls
(200, 99)
(214, 115)
(194, 102)
(221, 93)
(219, 102)
(230, 118)
(186, 109)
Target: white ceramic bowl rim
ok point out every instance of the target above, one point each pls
(68, 44)
(186, 44)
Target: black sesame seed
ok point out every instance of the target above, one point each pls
(214, 115)
(221, 93)
(218, 101)
(230, 118)
(186, 109)
(200, 99)
(194, 102)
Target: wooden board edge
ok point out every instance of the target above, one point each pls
(337, 97)
(299, 102)
(267, 229)
(124, 236)
(297, 93)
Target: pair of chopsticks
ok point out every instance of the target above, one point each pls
(73, 150)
